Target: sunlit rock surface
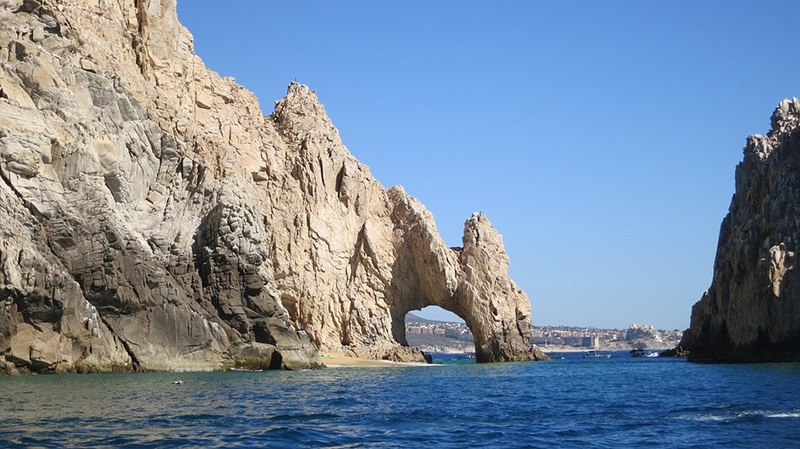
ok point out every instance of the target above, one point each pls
(153, 218)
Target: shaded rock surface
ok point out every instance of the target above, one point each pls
(152, 218)
(751, 312)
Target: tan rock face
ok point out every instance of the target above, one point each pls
(152, 218)
(752, 310)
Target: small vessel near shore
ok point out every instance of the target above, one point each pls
(643, 353)
(596, 355)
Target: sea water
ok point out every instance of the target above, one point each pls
(574, 402)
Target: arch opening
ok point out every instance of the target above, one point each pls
(433, 329)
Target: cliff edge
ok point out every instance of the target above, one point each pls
(153, 218)
(751, 312)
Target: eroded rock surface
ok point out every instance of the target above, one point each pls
(751, 312)
(152, 218)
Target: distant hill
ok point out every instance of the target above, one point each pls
(415, 319)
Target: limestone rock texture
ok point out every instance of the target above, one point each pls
(751, 312)
(153, 218)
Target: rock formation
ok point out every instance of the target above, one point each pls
(152, 218)
(751, 312)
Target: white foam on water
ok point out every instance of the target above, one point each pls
(783, 415)
(740, 415)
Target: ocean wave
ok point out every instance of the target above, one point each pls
(748, 415)
(784, 415)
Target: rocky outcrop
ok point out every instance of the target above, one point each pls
(152, 218)
(751, 312)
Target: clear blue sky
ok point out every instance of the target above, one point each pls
(600, 138)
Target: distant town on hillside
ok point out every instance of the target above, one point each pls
(451, 337)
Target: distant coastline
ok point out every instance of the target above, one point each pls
(451, 337)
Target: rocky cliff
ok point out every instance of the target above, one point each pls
(153, 218)
(751, 312)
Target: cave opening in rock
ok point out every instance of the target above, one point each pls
(434, 329)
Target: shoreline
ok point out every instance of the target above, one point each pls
(552, 350)
(340, 360)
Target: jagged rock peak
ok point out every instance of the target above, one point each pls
(496, 310)
(786, 117)
(300, 113)
(751, 312)
(300, 99)
(784, 121)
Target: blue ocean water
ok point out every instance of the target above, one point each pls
(574, 402)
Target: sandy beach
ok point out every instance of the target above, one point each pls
(338, 360)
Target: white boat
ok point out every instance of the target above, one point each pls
(643, 353)
(596, 355)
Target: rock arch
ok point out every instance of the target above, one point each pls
(471, 281)
(348, 258)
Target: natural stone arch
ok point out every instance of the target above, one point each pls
(470, 281)
(501, 332)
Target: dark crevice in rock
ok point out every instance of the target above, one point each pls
(137, 42)
(4, 177)
(276, 362)
(125, 345)
(339, 180)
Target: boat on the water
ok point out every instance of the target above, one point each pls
(643, 353)
(596, 355)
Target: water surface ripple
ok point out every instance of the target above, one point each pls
(575, 402)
